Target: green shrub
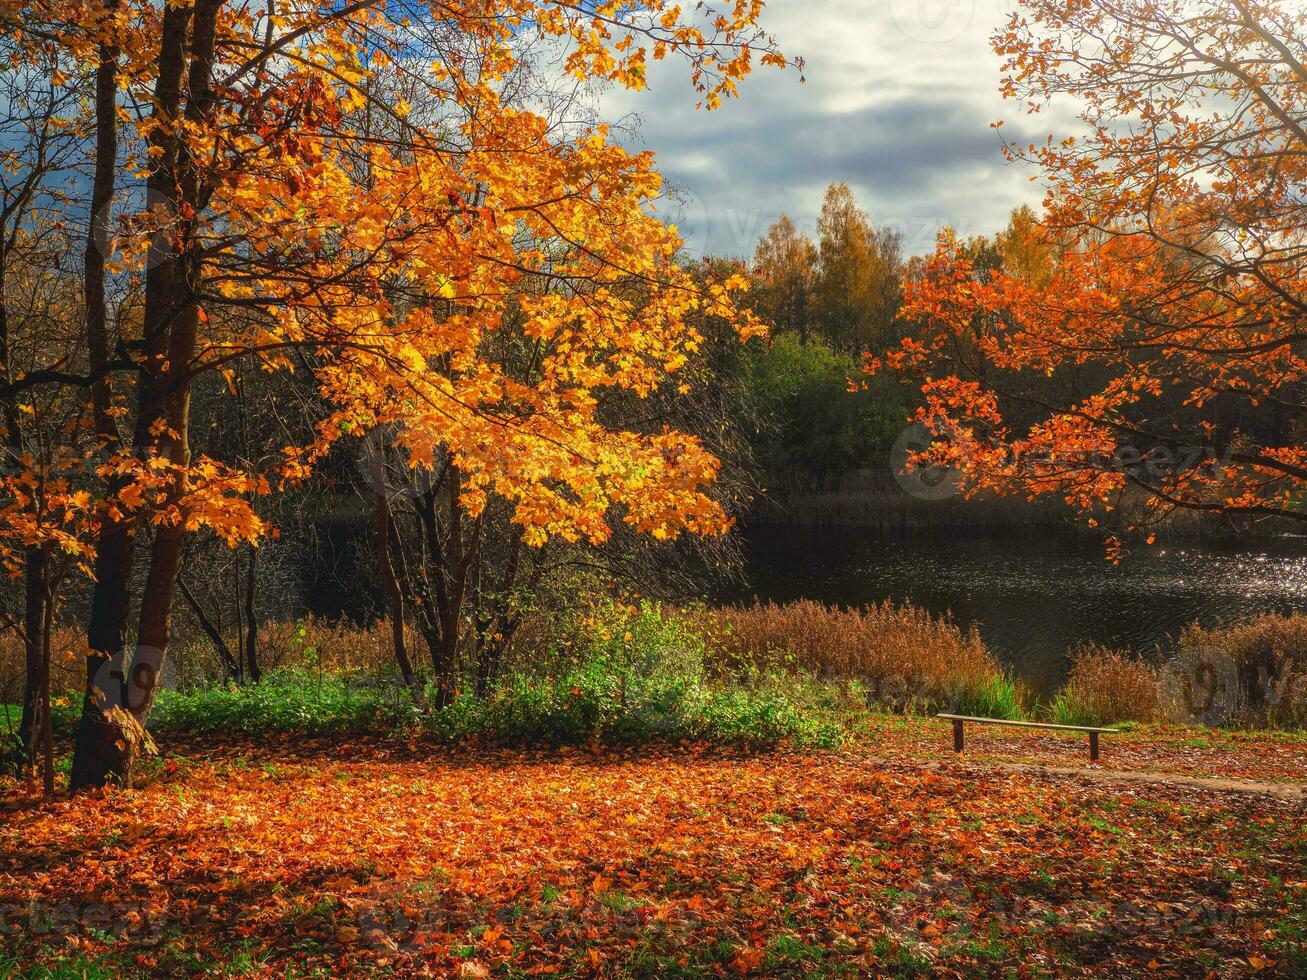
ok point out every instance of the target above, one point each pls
(288, 700)
(996, 696)
(639, 676)
(761, 716)
(633, 676)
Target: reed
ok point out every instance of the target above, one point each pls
(905, 658)
(1263, 659)
(1106, 687)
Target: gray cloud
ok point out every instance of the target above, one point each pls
(899, 102)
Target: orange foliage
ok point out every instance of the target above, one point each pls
(391, 222)
(1155, 346)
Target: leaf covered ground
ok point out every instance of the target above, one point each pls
(395, 859)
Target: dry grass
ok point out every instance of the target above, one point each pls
(1264, 661)
(904, 656)
(67, 664)
(1106, 687)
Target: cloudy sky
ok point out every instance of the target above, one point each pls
(899, 99)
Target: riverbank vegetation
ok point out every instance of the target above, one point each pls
(801, 673)
(1251, 674)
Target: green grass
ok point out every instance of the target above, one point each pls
(1067, 709)
(995, 697)
(286, 701)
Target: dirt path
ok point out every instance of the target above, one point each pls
(1295, 791)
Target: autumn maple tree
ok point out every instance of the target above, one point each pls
(46, 518)
(359, 191)
(1144, 341)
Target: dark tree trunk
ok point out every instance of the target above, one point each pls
(35, 590)
(453, 561)
(96, 751)
(168, 397)
(436, 579)
(104, 747)
(47, 722)
(230, 665)
(252, 669)
(394, 593)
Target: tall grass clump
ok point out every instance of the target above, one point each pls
(905, 658)
(1262, 662)
(1106, 687)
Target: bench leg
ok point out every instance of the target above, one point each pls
(1093, 746)
(957, 735)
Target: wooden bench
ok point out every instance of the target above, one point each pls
(959, 720)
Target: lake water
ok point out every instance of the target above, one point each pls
(1034, 596)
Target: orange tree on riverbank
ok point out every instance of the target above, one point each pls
(1146, 335)
(363, 191)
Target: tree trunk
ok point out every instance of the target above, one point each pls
(107, 629)
(47, 721)
(97, 238)
(169, 399)
(445, 663)
(252, 618)
(394, 594)
(34, 598)
(96, 748)
(104, 748)
(438, 586)
(230, 664)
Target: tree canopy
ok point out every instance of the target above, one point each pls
(1143, 341)
(386, 198)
